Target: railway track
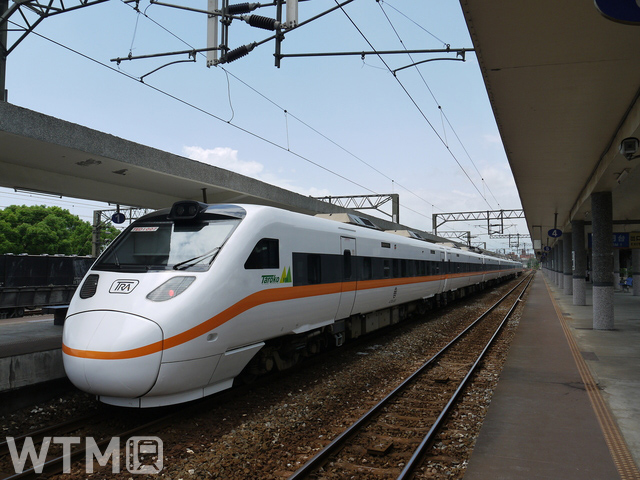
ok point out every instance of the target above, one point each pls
(56, 448)
(391, 439)
(101, 428)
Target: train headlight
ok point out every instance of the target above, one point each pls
(171, 289)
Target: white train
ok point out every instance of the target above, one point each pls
(187, 298)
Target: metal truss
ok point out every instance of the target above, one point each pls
(25, 15)
(514, 238)
(459, 234)
(367, 202)
(488, 215)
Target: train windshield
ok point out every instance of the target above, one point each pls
(165, 245)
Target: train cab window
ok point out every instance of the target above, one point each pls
(153, 243)
(266, 254)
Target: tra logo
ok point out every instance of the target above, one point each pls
(123, 286)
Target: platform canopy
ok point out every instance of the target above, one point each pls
(564, 82)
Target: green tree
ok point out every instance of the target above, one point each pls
(40, 229)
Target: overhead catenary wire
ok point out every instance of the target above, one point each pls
(247, 131)
(132, 77)
(300, 120)
(338, 6)
(424, 116)
(288, 113)
(442, 112)
(210, 114)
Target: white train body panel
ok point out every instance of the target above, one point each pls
(149, 328)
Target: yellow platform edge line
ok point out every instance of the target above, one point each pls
(618, 448)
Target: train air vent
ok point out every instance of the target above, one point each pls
(89, 286)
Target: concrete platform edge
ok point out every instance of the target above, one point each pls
(28, 369)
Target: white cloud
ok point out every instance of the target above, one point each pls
(224, 157)
(493, 139)
(227, 158)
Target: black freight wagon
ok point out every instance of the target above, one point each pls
(34, 281)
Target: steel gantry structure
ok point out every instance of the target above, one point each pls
(488, 215)
(27, 14)
(368, 202)
(463, 235)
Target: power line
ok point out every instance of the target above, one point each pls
(416, 23)
(245, 130)
(298, 119)
(432, 94)
(287, 112)
(212, 115)
(417, 106)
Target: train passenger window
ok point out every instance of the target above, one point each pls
(366, 268)
(314, 271)
(386, 268)
(396, 268)
(266, 254)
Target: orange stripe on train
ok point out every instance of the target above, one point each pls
(247, 303)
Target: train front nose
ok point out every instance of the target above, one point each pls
(112, 353)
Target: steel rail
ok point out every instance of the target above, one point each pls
(314, 462)
(63, 427)
(55, 465)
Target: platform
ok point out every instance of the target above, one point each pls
(30, 351)
(567, 404)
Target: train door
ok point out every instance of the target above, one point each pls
(348, 293)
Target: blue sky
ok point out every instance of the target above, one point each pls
(385, 134)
